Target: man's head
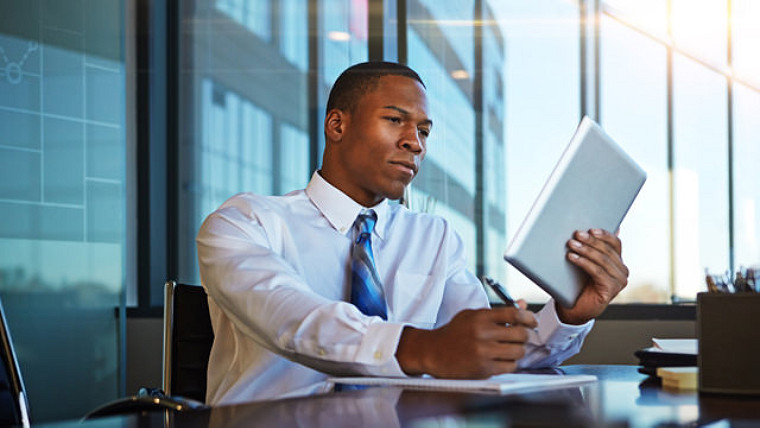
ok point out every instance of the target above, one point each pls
(376, 129)
(360, 78)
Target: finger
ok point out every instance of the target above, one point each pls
(612, 241)
(596, 263)
(527, 318)
(508, 351)
(604, 243)
(513, 333)
(512, 315)
(615, 281)
(500, 351)
(599, 253)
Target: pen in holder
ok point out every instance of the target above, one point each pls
(729, 342)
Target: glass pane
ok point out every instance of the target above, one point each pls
(294, 37)
(492, 167)
(700, 174)
(62, 198)
(542, 105)
(441, 52)
(745, 17)
(746, 177)
(342, 42)
(634, 112)
(700, 28)
(245, 127)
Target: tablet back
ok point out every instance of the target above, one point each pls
(592, 186)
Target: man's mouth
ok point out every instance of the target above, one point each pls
(411, 167)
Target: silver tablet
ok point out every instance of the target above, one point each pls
(592, 186)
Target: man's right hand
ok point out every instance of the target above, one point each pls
(476, 344)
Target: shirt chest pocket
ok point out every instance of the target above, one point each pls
(416, 299)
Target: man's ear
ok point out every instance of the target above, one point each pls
(335, 125)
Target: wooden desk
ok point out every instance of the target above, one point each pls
(622, 397)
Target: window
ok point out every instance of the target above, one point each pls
(64, 154)
(633, 84)
(700, 174)
(508, 81)
(542, 108)
(746, 176)
(442, 55)
(246, 95)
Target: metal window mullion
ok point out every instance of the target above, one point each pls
(670, 160)
(730, 136)
(481, 209)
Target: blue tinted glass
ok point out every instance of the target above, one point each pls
(61, 204)
(63, 163)
(249, 98)
(446, 181)
(20, 129)
(62, 83)
(20, 175)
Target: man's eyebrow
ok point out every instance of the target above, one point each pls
(404, 112)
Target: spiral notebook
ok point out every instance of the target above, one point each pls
(501, 384)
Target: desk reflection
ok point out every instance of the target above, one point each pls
(396, 407)
(369, 407)
(621, 397)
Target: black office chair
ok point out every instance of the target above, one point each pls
(14, 408)
(188, 337)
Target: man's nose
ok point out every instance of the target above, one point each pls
(412, 141)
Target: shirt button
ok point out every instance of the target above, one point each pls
(342, 229)
(322, 351)
(378, 355)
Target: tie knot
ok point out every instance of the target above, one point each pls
(365, 222)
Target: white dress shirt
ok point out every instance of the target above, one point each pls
(277, 270)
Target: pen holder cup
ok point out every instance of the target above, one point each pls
(728, 328)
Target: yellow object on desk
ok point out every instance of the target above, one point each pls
(678, 378)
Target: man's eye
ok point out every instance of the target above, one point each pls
(425, 132)
(393, 119)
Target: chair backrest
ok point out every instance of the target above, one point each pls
(14, 408)
(188, 337)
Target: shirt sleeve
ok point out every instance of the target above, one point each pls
(553, 341)
(265, 298)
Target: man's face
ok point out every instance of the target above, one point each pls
(384, 140)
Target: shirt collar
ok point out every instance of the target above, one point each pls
(339, 209)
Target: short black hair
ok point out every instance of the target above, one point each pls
(360, 78)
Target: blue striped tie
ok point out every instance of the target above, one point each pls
(366, 288)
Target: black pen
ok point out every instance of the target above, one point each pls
(500, 291)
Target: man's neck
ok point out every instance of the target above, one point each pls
(334, 184)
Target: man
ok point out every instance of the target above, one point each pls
(279, 270)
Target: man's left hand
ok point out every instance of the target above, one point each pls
(598, 253)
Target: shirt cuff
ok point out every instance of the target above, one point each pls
(553, 331)
(377, 352)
